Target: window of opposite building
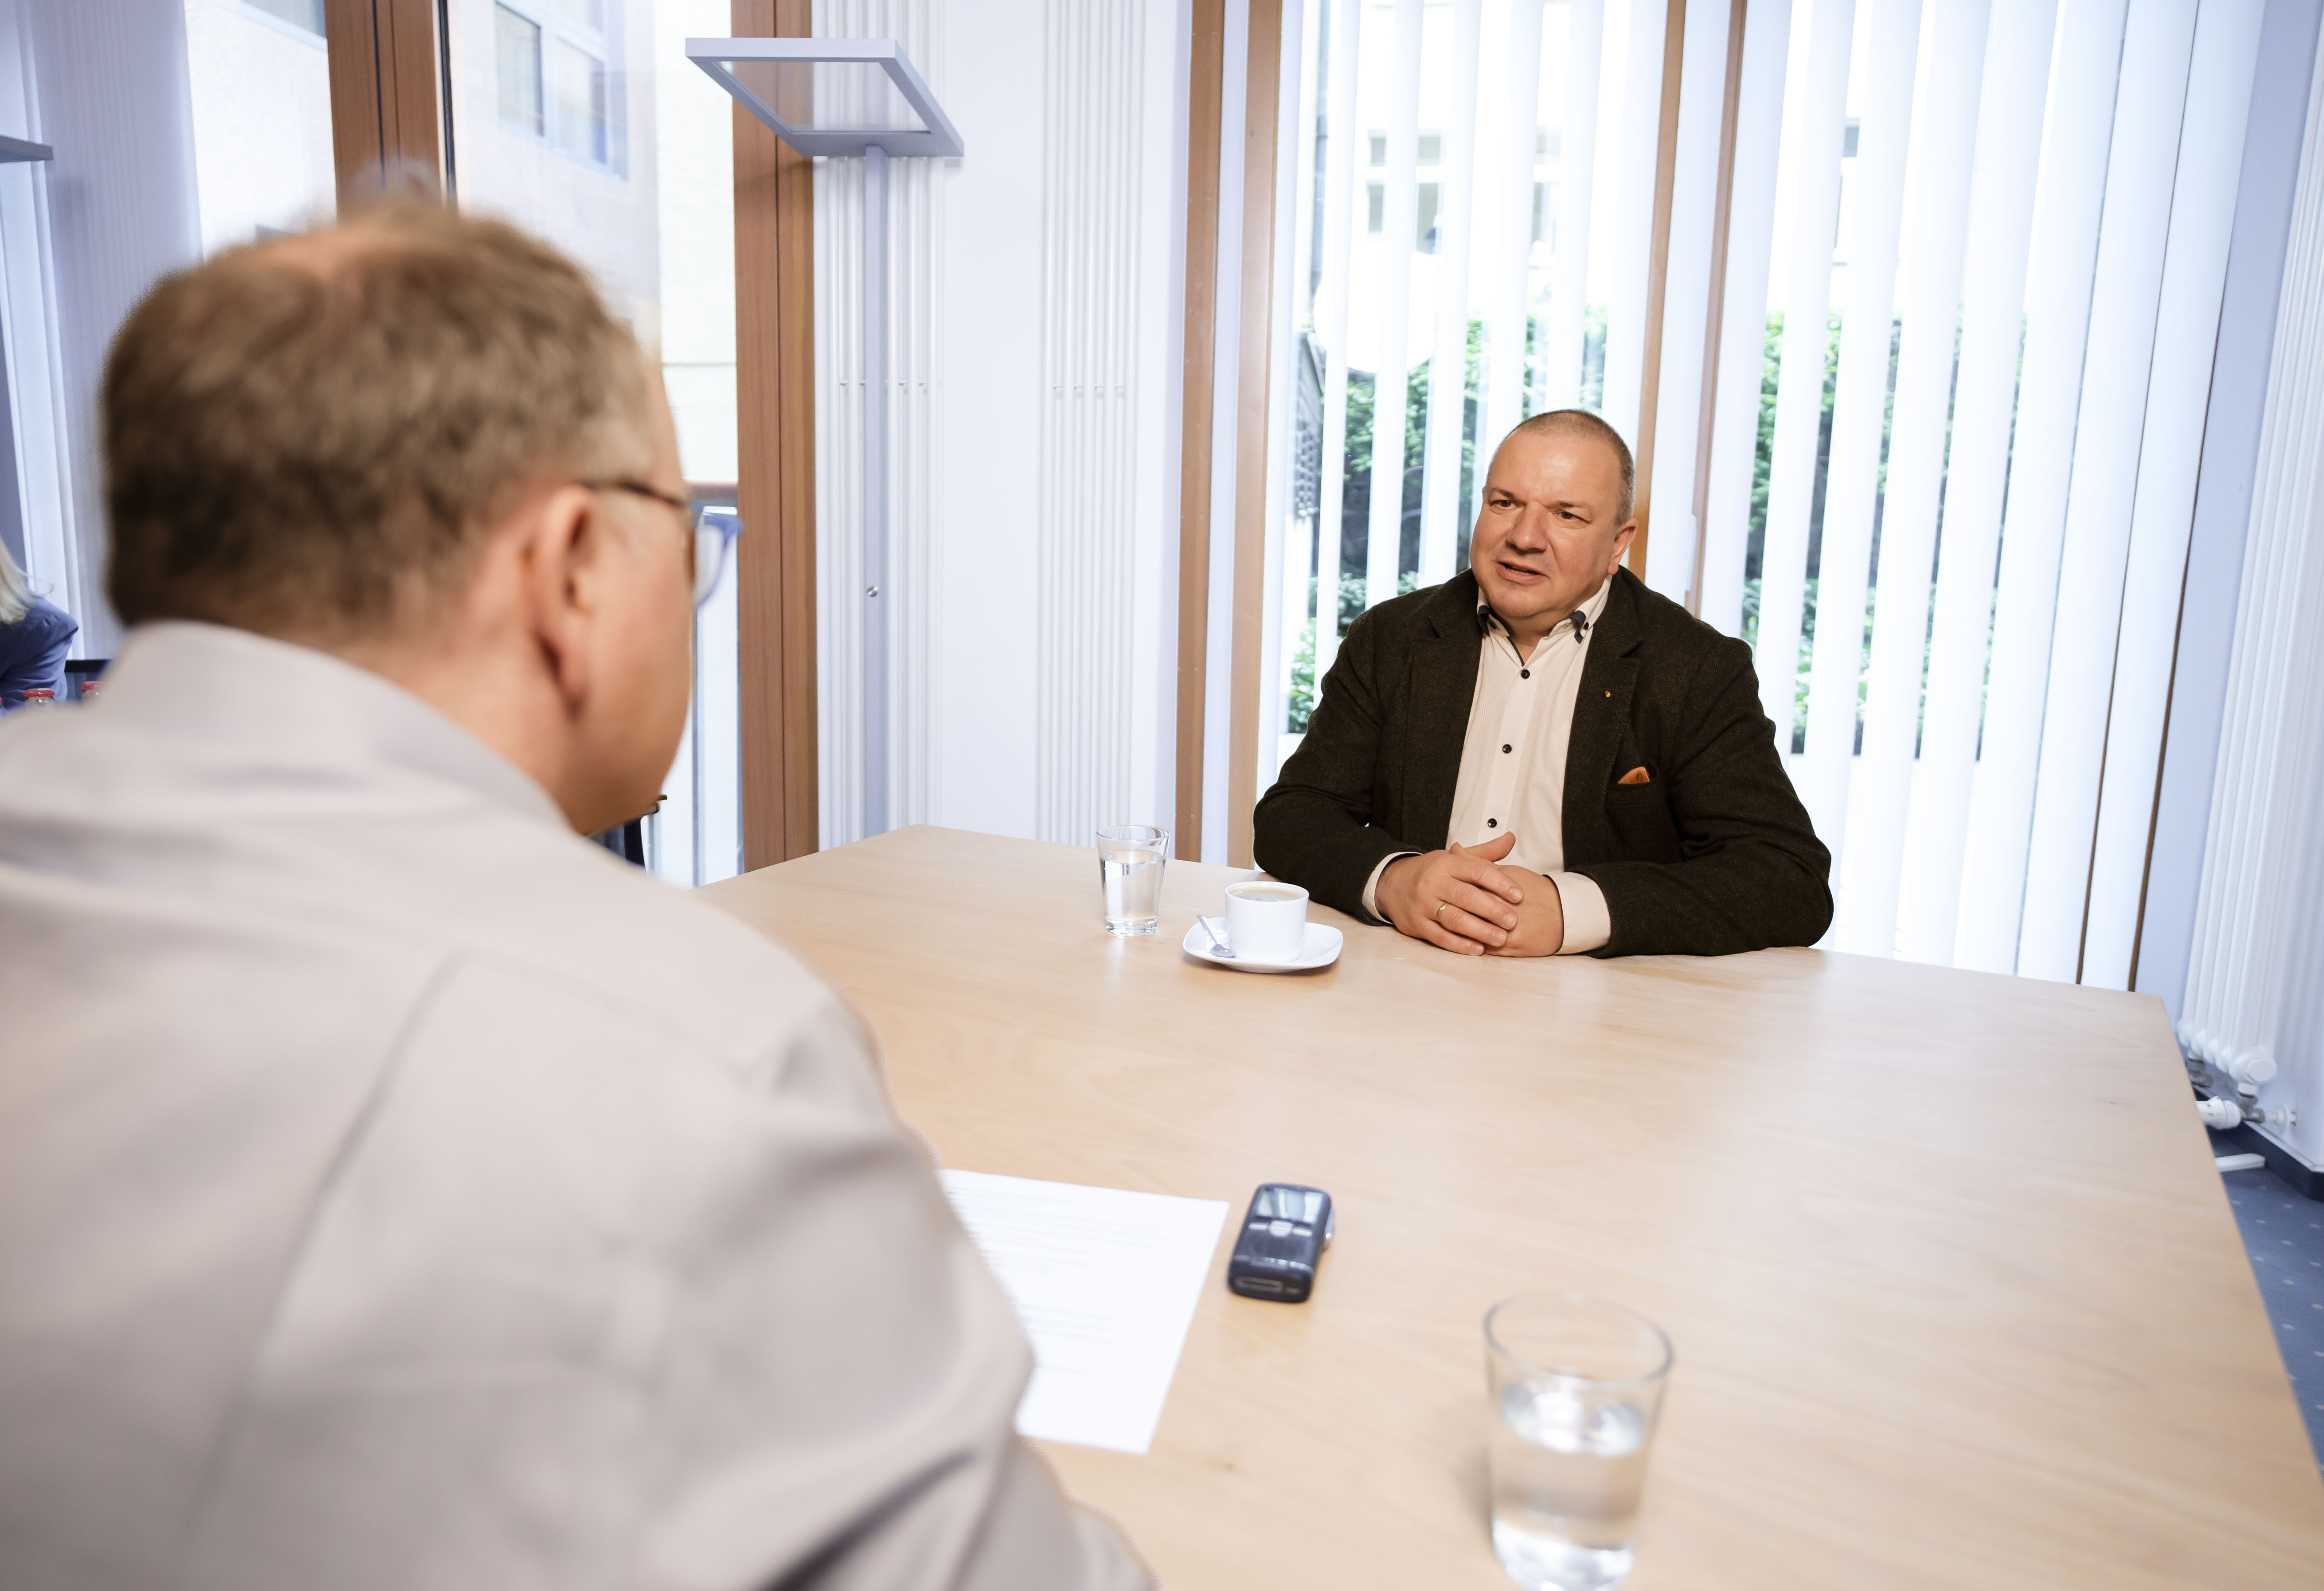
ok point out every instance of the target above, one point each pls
(551, 61)
(307, 15)
(1428, 152)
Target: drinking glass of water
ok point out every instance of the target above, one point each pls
(1576, 1387)
(1129, 859)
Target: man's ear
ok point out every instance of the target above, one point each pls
(561, 556)
(1622, 539)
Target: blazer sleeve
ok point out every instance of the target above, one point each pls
(1751, 872)
(1317, 828)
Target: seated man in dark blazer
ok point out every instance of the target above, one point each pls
(1541, 755)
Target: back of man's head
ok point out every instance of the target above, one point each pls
(307, 437)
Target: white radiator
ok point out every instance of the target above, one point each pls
(2255, 999)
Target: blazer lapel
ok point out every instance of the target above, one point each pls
(1443, 683)
(1601, 708)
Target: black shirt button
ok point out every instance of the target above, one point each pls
(1505, 748)
(1492, 823)
(1525, 674)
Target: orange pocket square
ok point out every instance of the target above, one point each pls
(1637, 775)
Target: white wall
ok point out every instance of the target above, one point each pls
(261, 101)
(104, 83)
(2223, 495)
(39, 452)
(179, 127)
(1034, 608)
(2251, 991)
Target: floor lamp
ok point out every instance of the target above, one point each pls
(849, 96)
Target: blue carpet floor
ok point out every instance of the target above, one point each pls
(2284, 1233)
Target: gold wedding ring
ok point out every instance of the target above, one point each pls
(1440, 909)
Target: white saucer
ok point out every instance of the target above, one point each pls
(1319, 947)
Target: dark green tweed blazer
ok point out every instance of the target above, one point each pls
(1713, 855)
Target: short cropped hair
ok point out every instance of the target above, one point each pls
(1581, 422)
(309, 435)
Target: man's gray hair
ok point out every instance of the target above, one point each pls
(1581, 422)
(309, 436)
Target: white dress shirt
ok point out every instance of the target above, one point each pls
(1513, 764)
(398, 1191)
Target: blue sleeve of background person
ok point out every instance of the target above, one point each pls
(32, 652)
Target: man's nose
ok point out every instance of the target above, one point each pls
(1531, 532)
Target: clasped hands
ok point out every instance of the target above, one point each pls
(1468, 902)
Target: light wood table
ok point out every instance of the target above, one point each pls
(1957, 1295)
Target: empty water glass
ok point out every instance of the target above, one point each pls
(1130, 861)
(1576, 1387)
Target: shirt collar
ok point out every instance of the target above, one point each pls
(1489, 622)
(237, 692)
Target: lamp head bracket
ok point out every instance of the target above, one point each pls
(937, 136)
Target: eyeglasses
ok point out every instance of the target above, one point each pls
(713, 526)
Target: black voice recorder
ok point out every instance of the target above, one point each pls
(1286, 1233)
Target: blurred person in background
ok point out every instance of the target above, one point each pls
(35, 634)
(396, 1189)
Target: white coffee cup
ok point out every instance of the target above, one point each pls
(1266, 921)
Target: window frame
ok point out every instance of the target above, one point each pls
(390, 88)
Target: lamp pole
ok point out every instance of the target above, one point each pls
(934, 136)
(876, 599)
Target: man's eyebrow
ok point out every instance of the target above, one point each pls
(1556, 504)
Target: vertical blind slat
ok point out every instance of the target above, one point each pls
(1341, 137)
(1287, 601)
(1936, 215)
(2203, 215)
(1508, 310)
(2012, 105)
(1678, 390)
(1860, 404)
(1812, 139)
(1305, 136)
(1565, 330)
(1743, 319)
(1397, 232)
(1625, 296)
(2057, 322)
(1448, 371)
(2125, 293)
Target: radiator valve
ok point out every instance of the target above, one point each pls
(2219, 1115)
(2222, 1111)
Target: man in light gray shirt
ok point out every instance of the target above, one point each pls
(397, 1191)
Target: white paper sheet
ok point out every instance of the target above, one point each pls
(1105, 1282)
